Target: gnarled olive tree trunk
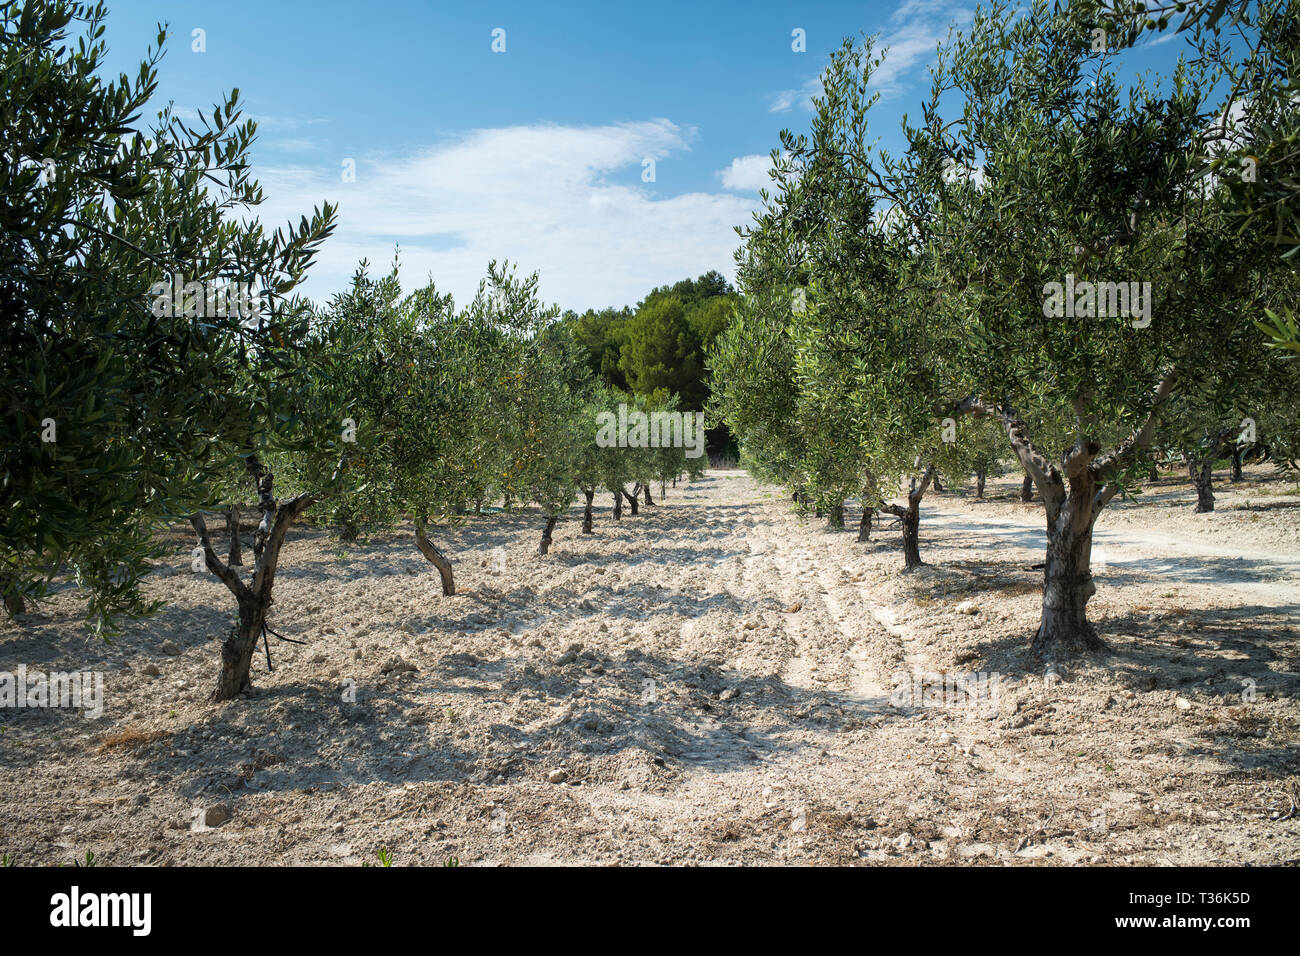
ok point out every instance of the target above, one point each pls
(1237, 452)
(1201, 471)
(586, 514)
(632, 498)
(618, 506)
(1074, 494)
(980, 476)
(837, 515)
(910, 517)
(864, 526)
(435, 556)
(545, 544)
(1027, 489)
(645, 489)
(254, 599)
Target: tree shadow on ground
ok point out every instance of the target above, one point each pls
(403, 727)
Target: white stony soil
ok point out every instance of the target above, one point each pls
(513, 723)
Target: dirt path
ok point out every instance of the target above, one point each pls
(715, 680)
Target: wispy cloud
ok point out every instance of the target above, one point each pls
(910, 39)
(566, 201)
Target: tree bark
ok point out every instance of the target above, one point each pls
(864, 526)
(254, 599)
(980, 476)
(1201, 471)
(1071, 514)
(645, 490)
(1064, 629)
(236, 557)
(1236, 463)
(13, 597)
(1027, 489)
(837, 515)
(632, 499)
(618, 506)
(938, 485)
(910, 517)
(545, 545)
(586, 515)
(435, 556)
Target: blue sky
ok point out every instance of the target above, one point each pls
(536, 154)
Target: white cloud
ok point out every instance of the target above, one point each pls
(911, 37)
(565, 201)
(748, 173)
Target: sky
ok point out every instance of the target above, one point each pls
(611, 147)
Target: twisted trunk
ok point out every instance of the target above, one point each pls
(837, 515)
(632, 498)
(645, 490)
(430, 551)
(1027, 489)
(864, 526)
(586, 515)
(1201, 471)
(255, 598)
(1074, 494)
(1064, 629)
(618, 506)
(14, 601)
(980, 476)
(1236, 463)
(545, 545)
(910, 518)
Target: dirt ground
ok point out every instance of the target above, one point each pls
(714, 681)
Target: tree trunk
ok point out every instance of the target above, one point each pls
(238, 649)
(632, 498)
(13, 597)
(236, 557)
(910, 517)
(618, 506)
(1064, 629)
(1153, 474)
(1202, 474)
(1027, 489)
(938, 485)
(837, 515)
(645, 489)
(430, 551)
(255, 598)
(545, 546)
(1236, 464)
(864, 526)
(586, 515)
(980, 476)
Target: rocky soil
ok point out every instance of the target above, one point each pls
(714, 681)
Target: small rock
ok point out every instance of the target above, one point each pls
(557, 776)
(216, 815)
(151, 670)
(967, 607)
(170, 648)
(1182, 703)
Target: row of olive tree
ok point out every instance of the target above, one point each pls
(895, 297)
